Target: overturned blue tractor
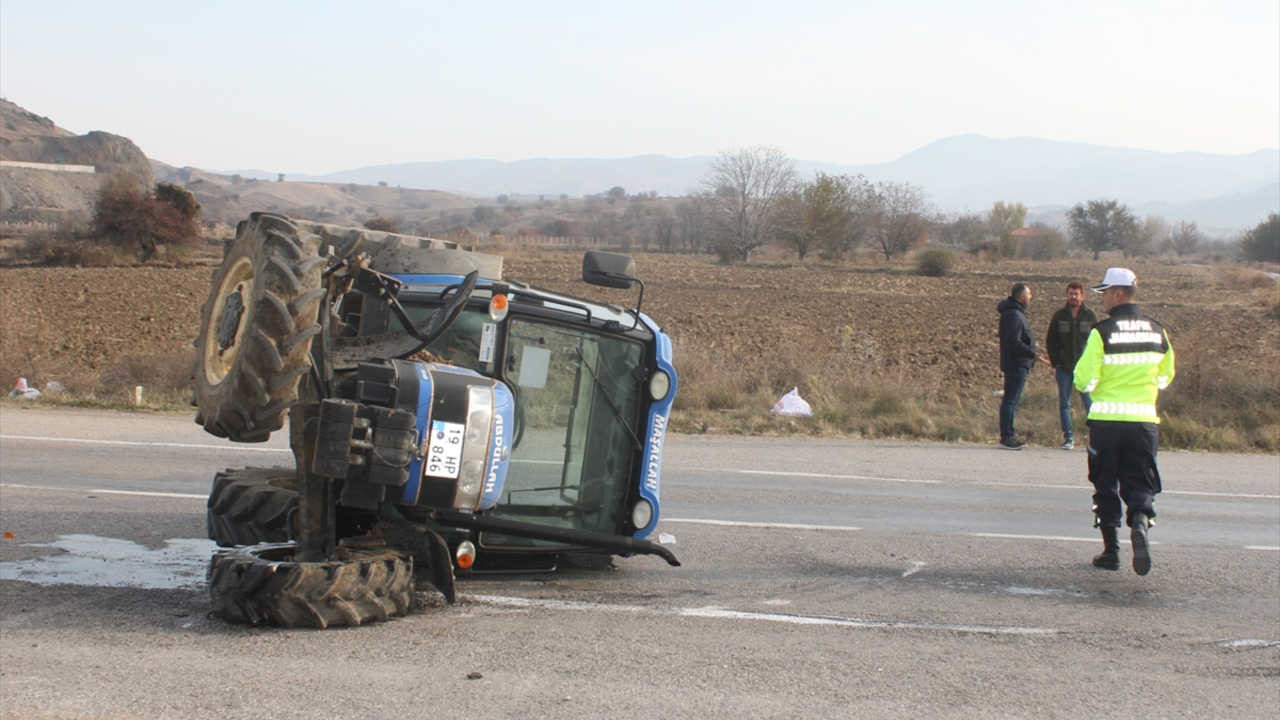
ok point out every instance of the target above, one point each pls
(443, 420)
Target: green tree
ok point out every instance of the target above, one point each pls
(1003, 219)
(934, 262)
(970, 232)
(385, 224)
(1101, 225)
(122, 213)
(1048, 243)
(816, 214)
(1262, 243)
(128, 216)
(559, 227)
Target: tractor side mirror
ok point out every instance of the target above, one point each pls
(608, 269)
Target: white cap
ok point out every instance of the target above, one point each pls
(1122, 277)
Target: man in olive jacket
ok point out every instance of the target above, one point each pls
(1068, 331)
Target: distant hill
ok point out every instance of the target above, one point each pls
(36, 195)
(540, 176)
(972, 171)
(230, 198)
(960, 173)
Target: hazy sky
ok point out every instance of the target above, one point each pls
(320, 86)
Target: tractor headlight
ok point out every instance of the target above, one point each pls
(641, 514)
(475, 447)
(498, 307)
(659, 385)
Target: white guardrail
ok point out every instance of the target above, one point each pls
(55, 167)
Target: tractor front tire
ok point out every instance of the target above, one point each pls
(252, 505)
(266, 585)
(256, 329)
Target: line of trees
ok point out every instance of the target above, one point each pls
(754, 196)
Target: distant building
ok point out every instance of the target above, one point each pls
(1029, 232)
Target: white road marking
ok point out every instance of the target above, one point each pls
(691, 521)
(1065, 538)
(1219, 494)
(779, 526)
(106, 492)
(916, 566)
(831, 476)
(137, 443)
(776, 473)
(1087, 486)
(718, 613)
(1248, 643)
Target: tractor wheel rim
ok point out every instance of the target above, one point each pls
(225, 334)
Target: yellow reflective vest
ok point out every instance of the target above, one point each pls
(1126, 362)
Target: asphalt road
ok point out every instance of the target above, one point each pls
(820, 579)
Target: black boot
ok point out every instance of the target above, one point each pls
(1138, 536)
(1110, 557)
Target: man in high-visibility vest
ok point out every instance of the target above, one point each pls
(1127, 361)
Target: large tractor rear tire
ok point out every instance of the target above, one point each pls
(265, 585)
(256, 329)
(252, 505)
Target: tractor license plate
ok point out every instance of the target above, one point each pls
(444, 453)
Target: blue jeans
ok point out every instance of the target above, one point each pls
(1066, 384)
(1014, 380)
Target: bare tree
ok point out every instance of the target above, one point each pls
(904, 221)
(868, 215)
(691, 223)
(742, 192)
(1185, 238)
(602, 225)
(1153, 234)
(664, 229)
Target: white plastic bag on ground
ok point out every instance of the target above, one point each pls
(792, 405)
(23, 391)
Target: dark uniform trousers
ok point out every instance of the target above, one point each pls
(1122, 464)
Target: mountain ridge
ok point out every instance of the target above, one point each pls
(960, 173)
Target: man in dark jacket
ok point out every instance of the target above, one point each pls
(1017, 356)
(1068, 331)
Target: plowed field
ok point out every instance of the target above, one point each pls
(771, 326)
